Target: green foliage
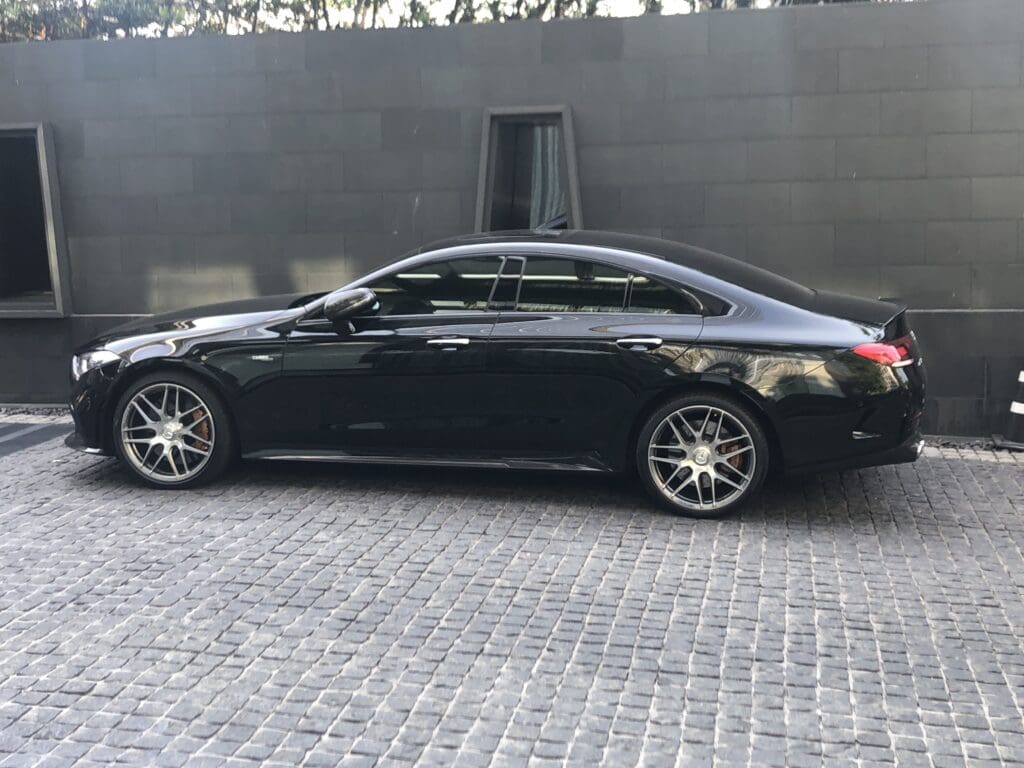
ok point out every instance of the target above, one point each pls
(62, 19)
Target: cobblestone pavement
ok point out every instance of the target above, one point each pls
(325, 616)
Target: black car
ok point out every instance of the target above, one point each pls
(566, 350)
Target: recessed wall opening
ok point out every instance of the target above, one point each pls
(24, 255)
(528, 170)
(33, 255)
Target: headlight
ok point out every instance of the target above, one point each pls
(85, 362)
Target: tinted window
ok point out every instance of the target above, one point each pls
(567, 285)
(459, 285)
(646, 295)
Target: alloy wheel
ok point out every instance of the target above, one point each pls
(167, 432)
(701, 458)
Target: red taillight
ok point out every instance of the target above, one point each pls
(896, 353)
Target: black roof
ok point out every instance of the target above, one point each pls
(707, 262)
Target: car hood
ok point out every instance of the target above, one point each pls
(210, 318)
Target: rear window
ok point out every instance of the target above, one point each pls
(725, 268)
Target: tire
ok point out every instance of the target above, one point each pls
(680, 470)
(198, 435)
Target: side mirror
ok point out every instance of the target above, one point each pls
(346, 303)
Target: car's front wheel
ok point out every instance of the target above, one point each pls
(172, 430)
(702, 454)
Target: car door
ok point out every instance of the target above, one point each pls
(404, 381)
(575, 353)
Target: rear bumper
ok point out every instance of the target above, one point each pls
(904, 453)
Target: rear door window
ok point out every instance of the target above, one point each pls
(571, 285)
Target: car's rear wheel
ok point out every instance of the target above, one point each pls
(172, 430)
(702, 454)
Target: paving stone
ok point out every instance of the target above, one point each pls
(358, 616)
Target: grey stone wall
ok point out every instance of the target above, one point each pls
(873, 149)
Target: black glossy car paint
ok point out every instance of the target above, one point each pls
(531, 389)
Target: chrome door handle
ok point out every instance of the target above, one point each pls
(450, 343)
(643, 342)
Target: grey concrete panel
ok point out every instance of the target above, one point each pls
(788, 248)
(502, 45)
(760, 203)
(977, 154)
(997, 198)
(881, 157)
(923, 112)
(95, 255)
(148, 254)
(563, 41)
(80, 100)
(654, 37)
(795, 159)
(880, 242)
(888, 69)
(420, 129)
(155, 97)
(793, 72)
(660, 122)
(938, 287)
(998, 285)
(979, 21)
(347, 212)
(204, 55)
(378, 171)
(998, 109)
(304, 92)
(93, 176)
(851, 114)
(624, 82)
(192, 214)
(451, 87)
(257, 172)
(754, 117)
(623, 165)
(387, 86)
(974, 66)
(838, 201)
(841, 26)
(705, 161)
(156, 175)
(924, 199)
(327, 132)
(269, 213)
(229, 94)
(95, 215)
(118, 59)
(980, 242)
(744, 32)
(119, 137)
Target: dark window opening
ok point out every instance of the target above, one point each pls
(650, 296)
(459, 285)
(25, 277)
(565, 285)
(528, 171)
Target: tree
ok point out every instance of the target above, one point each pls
(59, 19)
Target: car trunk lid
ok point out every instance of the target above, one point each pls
(878, 312)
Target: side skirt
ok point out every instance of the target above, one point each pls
(561, 464)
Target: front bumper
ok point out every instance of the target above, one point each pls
(90, 398)
(76, 442)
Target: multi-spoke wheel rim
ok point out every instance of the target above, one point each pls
(701, 457)
(167, 432)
